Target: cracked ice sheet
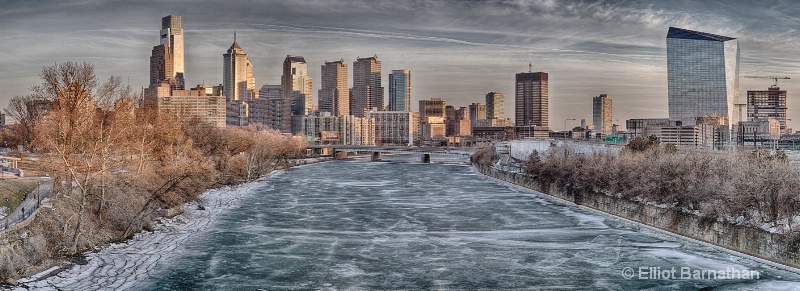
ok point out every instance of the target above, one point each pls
(123, 265)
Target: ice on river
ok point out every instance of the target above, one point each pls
(399, 224)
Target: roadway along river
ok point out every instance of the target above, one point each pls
(405, 225)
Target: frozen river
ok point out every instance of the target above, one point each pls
(404, 225)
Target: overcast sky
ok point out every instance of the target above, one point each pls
(457, 50)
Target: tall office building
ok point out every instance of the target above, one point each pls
(601, 113)
(162, 68)
(166, 61)
(495, 105)
(237, 74)
(367, 91)
(702, 75)
(477, 112)
(531, 99)
(765, 104)
(334, 95)
(296, 86)
(449, 119)
(400, 90)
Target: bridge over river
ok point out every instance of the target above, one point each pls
(341, 151)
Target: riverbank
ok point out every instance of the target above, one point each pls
(741, 239)
(145, 251)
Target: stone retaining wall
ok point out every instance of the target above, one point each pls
(751, 241)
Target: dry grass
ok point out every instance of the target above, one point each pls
(33, 168)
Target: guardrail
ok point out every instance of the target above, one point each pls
(27, 208)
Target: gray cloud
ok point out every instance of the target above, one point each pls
(458, 50)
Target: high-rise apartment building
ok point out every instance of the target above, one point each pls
(339, 130)
(334, 95)
(531, 99)
(702, 75)
(200, 103)
(367, 91)
(765, 104)
(395, 127)
(400, 90)
(166, 60)
(495, 105)
(268, 108)
(601, 113)
(237, 74)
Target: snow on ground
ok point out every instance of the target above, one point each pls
(122, 265)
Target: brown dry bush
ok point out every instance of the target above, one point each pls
(486, 156)
(115, 166)
(752, 189)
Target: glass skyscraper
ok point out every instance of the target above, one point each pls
(400, 90)
(702, 75)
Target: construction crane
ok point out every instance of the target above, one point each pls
(769, 77)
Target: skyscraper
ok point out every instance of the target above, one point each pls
(237, 74)
(296, 86)
(531, 99)
(702, 75)
(334, 95)
(601, 113)
(495, 105)
(166, 61)
(161, 66)
(367, 91)
(400, 90)
(476, 111)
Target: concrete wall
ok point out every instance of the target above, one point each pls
(743, 239)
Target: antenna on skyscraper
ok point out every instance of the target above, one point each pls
(234, 35)
(530, 67)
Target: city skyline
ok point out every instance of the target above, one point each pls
(458, 50)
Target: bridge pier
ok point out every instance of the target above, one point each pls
(376, 156)
(339, 155)
(426, 158)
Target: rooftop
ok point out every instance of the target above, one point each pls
(681, 33)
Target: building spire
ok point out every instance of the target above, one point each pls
(530, 67)
(234, 35)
